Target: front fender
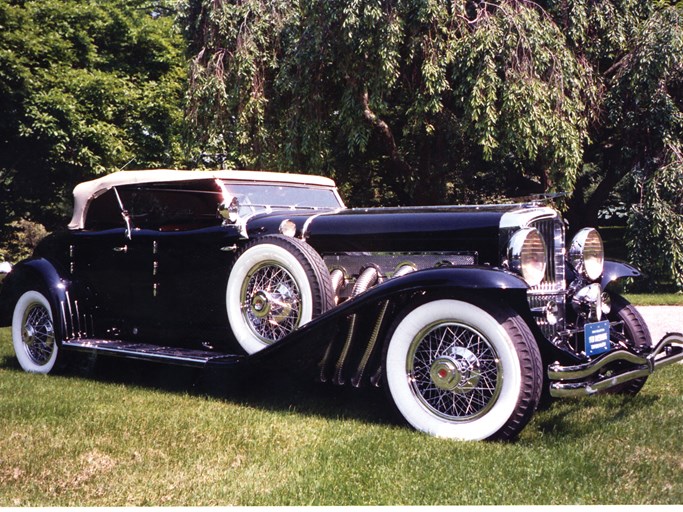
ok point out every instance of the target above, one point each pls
(445, 280)
(614, 270)
(320, 341)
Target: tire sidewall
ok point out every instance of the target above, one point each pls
(636, 329)
(633, 321)
(25, 301)
(411, 408)
(252, 257)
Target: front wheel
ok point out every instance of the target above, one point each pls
(33, 333)
(637, 335)
(460, 371)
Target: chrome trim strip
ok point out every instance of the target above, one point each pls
(309, 220)
(71, 314)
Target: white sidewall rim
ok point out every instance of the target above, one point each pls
(403, 395)
(248, 260)
(27, 364)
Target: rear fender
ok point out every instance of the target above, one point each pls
(37, 274)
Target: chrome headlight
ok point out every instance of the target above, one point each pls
(527, 255)
(587, 254)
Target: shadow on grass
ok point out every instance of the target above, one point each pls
(578, 418)
(282, 391)
(566, 419)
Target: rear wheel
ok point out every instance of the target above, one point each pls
(276, 285)
(33, 333)
(460, 371)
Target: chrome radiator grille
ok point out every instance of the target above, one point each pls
(551, 288)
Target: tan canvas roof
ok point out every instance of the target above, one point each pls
(84, 192)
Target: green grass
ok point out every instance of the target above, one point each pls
(655, 299)
(127, 433)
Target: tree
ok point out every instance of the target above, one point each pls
(85, 87)
(416, 101)
(635, 154)
(408, 101)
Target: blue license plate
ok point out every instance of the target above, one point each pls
(597, 337)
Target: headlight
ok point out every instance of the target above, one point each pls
(527, 255)
(587, 254)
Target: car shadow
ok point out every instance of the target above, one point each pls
(287, 391)
(567, 418)
(282, 391)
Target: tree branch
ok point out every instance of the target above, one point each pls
(381, 126)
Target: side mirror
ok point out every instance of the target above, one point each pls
(229, 211)
(5, 268)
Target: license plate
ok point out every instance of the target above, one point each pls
(596, 337)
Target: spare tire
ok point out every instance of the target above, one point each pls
(276, 285)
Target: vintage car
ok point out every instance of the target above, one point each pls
(468, 316)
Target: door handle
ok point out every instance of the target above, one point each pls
(123, 249)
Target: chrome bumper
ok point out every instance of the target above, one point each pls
(592, 377)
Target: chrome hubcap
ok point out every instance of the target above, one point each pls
(458, 372)
(37, 334)
(454, 371)
(260, 304)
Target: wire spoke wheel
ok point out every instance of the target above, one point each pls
(33, 333)
(38, 334)
(454, 371)
(276, 285)
(463, 371)
(271, 302)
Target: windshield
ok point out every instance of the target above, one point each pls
(256, 196)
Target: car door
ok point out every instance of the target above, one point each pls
(191, 277)
(111, 264)
(179, 241)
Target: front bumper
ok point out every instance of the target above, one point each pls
(613, 369)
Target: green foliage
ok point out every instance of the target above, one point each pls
(657, 224)
(23, 236)
(85, 87)
(425, 101)
(411, 101)
(524, 95)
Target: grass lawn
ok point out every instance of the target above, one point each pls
(655, 299)
(125, 433)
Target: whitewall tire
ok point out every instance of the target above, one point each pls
(33, 333)
(458, 371)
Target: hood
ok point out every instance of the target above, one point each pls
(426, 229)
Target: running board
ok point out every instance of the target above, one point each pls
(146, 352)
